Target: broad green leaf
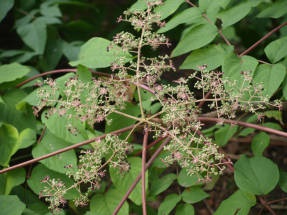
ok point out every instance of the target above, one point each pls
(119, 121)
(184, 209)
(58, 125)
(11, 205)
(72, 50)
(53, 50)
(238, 203)
(271, 76)
(105, 204)
(95, 53)
(188, 16)
(211, 8)
(123, 181)
(17, 118)
(212, 56)
(194, 194)
(168, 204)
(283, 181)
(236, 13)
(167, 8)
(275, 10)
(5, 6)
(161, 184)
(259, 143)
(232, 67)
(34, 35)
(40, 172)
(33, 203)
(138, 5)
(10, 72)
(195, 38)
(84, 73)
(274, 114)
(277, 49)
(8, 143)
(186, 180)
(57, 163)
(48, 9)
(223, 134)
(27, 137)
(14, 178)
(257, 175)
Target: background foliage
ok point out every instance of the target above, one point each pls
(226, 35)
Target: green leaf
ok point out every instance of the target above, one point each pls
(194, 194)
(283, 181)
(123, 181)
(57, 125)
(259, 143)
(27, 138)
(184, 209)
(11, 205)
(168, 204)
(161, 184)
(72, 50)
(212, 56)
(195, 38)
(119, 121)
(53, 50)
(105, 204)
(238, 203)
(167, 8)
(84, 73)
(236, 13)
(40, 172)
(275, 10)
(232, 68)
(257, 175)
(48, 9)
(32, 201)
(223, 134)
(34, 35)
(11, 179)
(5, 6)
(186, 180)
(271, 76)
(277, 49)
(57, 163)
(8, 143)
(188, 16)
(95, 53)
(10, 72)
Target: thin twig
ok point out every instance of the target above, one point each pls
(265, 204)
(65, 149)
(245, 124)
(148, 164)
(151, 144)
(263, 38)
(145, 140)
(42, 135)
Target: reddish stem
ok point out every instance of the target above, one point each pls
(148, 164)
(245, 124)
(265, 204)
(263, 38)
(65, 149)
(145, 140)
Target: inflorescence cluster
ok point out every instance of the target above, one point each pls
(92, 101)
